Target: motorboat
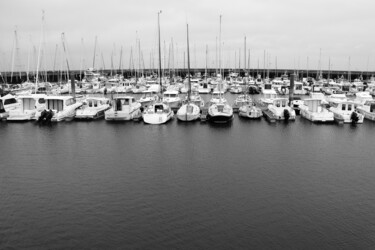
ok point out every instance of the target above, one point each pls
(124, 108)
(268, 96)
(314, 110)
(9, 102)
(281, 110)
(235, 89)
(250, 110)
(345, 111)
(204, 88)
(3, 113)
(367, 109)
(240, 101)
(61, 108)
(29, 106)
(147, 98)
(93, 108)
(157, 113)
(172, 98)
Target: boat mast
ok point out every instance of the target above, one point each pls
(38, 61)
(220, 47)
(205, 73)
(93, 61)
(188, 59)
(159, 72)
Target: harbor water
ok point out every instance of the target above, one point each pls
(247, 184)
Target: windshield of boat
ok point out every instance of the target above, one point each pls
(10, 101)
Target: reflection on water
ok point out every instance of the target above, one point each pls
(246, 184)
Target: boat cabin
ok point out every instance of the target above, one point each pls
(119, 102)
(58, 103)
(95, 102)
(313, 105)
(32, 102)
(9, 102)
(281, 102)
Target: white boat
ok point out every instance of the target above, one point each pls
(124, 108)
(235, 89)
(367, 109)
(63, 108)
(9, 102)
(93, 108)
(268, 96)
(148, 98)
(345, 111)
(313, 110)
(124, 87)
(3, 113)
(220, 112)
(29, 106)
(281, 110)
(172, 98)
(204, 88)
(196, 99)
(249, 110)
(240, 101)
(138, 89)
(188, 112)
(299, 88)
(217, 96)
(157, 113)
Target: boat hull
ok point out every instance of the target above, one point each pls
(157, 119)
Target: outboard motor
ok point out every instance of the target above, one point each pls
(286, 115)
(354, 117)
(42, 116)
(49, 116)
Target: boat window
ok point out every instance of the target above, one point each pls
(278, 104)
(55, 104)
(41, 101)
(95, 102)
(125, 102)
(283, 104)
(69, 102)
(343, 106)
(372, 107)
(158, 108)
(349, 107)
(89, 102)
(298, 87)
(10, 101)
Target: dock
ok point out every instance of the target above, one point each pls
(270, 117)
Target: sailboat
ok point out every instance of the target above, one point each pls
(158, 112)
(220, 111)
(188, 111)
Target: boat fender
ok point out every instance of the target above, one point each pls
(286, 115)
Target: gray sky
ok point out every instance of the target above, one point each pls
(290, 30)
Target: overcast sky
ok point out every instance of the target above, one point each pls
(291, 30)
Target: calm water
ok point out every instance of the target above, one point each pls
(249, 184)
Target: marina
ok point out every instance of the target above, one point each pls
(179, 125)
